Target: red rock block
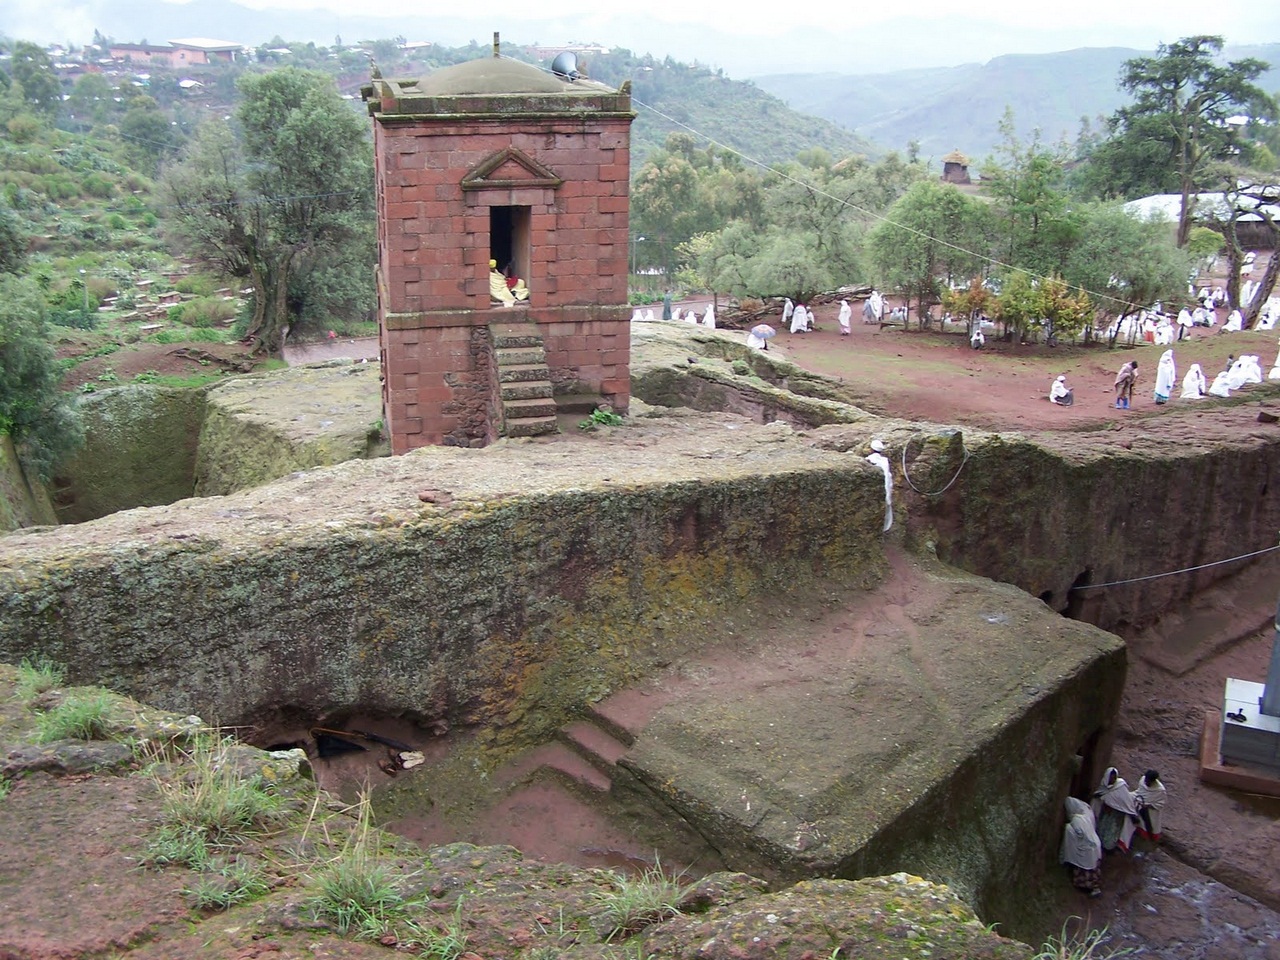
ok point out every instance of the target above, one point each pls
(614, 205)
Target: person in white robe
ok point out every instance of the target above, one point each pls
(756, 343)
(1193, 384)
(1237, 374)
(979, 339)
(1275, 369)
(637, 316)
(1268, 314)
(649, 316)
(1115, 811)
(876, 302)
(1060, 394)
(1150, 797)
(1250, 368)
(877, 459)
(846, 315)
(1081, 848)
(1164, 332)
(1220, 386)
(1166, 377)
(1202, 317)
(1235, 322)
(788, 309)
(675, 314)
(1184, 323)
(691, 316)
(709, 318)
(800, 322)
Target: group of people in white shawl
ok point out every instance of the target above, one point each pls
(796, 317)
(708, 319)
(1109, 823)
(1235, 375)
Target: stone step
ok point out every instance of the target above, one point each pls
(532, 427)
(555, 761)
(522, 372)
(520, 356)
(529, 408)
(594, 745)
(527, 390)
(515, 335)
(617, 717)
(581, 403)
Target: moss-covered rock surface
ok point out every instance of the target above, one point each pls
(88, 868)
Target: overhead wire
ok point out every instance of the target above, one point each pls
(867, 211)
(1172, 573)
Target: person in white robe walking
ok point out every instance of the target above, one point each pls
(846, 315)
(788, 309)
(1115, 811)
(1150, 798)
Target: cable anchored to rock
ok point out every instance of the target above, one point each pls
(1173, 573)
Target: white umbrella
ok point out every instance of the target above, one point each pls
(763, 331)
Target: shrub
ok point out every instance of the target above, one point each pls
(77, 718)
(23, 128)
(1069, 946)
(197, 284)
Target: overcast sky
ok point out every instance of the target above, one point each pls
(745, 37)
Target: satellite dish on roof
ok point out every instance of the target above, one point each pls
(566, 65)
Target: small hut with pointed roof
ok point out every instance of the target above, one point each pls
(955, 168)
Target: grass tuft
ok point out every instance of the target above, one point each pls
(1091, 946)
(38, 676)
(356, 891)
(222, 885)
(77, 718)
(637, 901)
(209, 805)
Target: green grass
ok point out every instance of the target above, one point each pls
(356, 891)
(637, 901)
(37, 676)
(447, 944)
(222, 885)
(6, 787)
(1091, 946)
(175, 380)
(189, 335)
(77, 718)
(209, 805)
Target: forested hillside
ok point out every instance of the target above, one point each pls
(961, 107)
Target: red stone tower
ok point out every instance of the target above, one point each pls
(496, 160)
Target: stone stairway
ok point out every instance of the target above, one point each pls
(524, 382)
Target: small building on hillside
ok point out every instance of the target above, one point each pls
(955, 168)
(176, 54)
(503, 197)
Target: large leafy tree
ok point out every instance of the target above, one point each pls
(277, 197)
(1182, 98)
(33, 70)
(931, 238)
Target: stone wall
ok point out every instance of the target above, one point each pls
(22, 504)
(503, 591)
(139, 451)
(1056, 512)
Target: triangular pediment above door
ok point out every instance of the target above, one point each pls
(509, 168)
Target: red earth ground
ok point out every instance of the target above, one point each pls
(1163, 900)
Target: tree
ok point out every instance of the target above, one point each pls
(13, 241)
(932, 236)
(33, 409)
(1252, 197)
(277, 202)
(1035, 224)
(1124, 262)
(33, 70)
(1182, 99)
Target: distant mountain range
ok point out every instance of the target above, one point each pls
(949, 108)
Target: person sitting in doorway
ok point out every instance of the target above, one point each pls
(503, 292)
(1060, 393)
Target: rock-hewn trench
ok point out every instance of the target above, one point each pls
(499, 594)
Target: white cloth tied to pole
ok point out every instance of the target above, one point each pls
(877, 459)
